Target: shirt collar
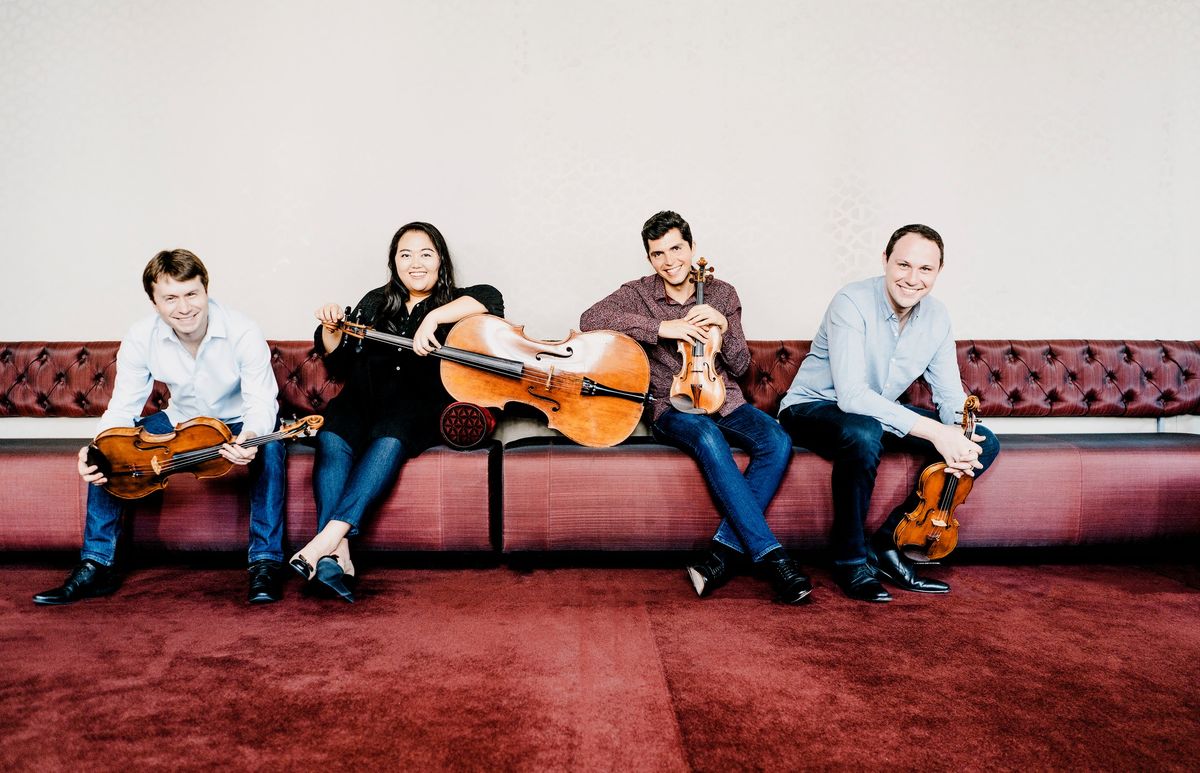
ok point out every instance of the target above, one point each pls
(658, 287)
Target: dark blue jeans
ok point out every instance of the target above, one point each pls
(741, 499)
(855, 444)
(268, 481)
(345, 485)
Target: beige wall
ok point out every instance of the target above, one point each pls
(1053, 144)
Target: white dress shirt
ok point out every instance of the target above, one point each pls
(230, 378)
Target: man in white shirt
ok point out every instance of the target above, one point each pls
(877, 337)
(216, 363)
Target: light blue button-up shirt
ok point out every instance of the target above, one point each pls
(863, 361)
(230, 378)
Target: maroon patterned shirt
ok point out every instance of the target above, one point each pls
(636, 308)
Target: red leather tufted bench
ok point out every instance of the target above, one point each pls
(1063, 489)
(1043, 490)
(440, 502)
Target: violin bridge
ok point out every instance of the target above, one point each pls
(939, 523)
(156, 465)
(549, 377)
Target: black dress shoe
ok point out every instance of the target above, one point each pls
(87, 580)
(790, 584)
(709, 574)
(894, 568)
(858, 582)
(266, 581)
(331, 574)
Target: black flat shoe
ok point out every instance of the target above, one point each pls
(894, 568)
(302, 567)
(266, 582)
(858, 582)
(330, 574)
(87, 580)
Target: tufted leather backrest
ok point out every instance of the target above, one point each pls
(1011, 378)
(1030, 378)
(75, 379)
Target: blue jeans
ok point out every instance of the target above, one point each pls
(345, 485)
(741, 499)
(855, 444)
(268, 481)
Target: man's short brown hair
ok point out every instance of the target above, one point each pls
(181, 265)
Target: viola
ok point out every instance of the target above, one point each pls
(930, 531)
(697, 387)
(591, 387)
(138, 462)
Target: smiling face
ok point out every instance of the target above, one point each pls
(671, 257)
(183, 305)
(417, 263)
(910, 271)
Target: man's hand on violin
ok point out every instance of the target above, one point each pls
(89, 472)
(696, 327)
(705, 316)
(960, 454)
(236, 453)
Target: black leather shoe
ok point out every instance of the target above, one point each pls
(330, 573)
(87, 580)
(790, 584)
(858, 582)
(266, 581)
(709, 574)
(894, 568)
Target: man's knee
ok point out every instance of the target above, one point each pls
(989, 446)
(861, 439)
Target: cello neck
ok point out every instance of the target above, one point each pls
(497, 365)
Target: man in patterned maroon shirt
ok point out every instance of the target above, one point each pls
(659, 311)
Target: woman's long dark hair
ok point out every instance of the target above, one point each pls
(396, 294)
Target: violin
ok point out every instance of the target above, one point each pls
(592, 387)
(930, 531)
(697, 387)
(138, 462)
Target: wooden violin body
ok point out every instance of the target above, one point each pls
(137, 462)
(930, 531)
(697, 387)
(592, 387)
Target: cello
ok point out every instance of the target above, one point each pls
(930, 531)
(138, 462)
(697, 387)
(591, 387)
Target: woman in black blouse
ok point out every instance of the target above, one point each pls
(391, 401)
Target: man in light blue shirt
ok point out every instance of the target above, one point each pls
(216, 363)
(877, 337)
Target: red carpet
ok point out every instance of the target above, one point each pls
(1089, 667)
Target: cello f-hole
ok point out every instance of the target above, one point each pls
(555, 405)
(568, 353)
